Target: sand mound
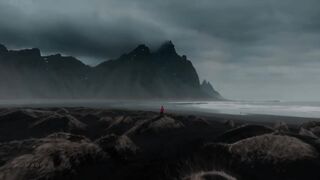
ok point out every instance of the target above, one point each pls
(90, 119)
(20, 124)
(119, 146)
(281, 127)
(210, 175)
(14, 124)
(311, 129)
(68, 136)
(59, 159)
(17, 115)
(272, 148)
(27, 113)
(120, 124)
(95, 125)
(156, 125)
(243, 132)
(12, 149)
(230, 123)
(9, 150)
(144, 145)
(309, 133)
(62, 111)
(164, 123)
(262, 157)
(56, 122)
(191, 121)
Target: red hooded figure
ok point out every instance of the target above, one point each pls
(161, 110)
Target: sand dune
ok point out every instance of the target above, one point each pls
(88, 143)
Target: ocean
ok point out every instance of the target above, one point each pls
(294, 109)
(279, 108)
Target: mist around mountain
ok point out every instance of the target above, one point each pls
(139, 74)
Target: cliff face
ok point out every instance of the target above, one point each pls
(140, 74)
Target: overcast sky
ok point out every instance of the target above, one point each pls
(248, 49)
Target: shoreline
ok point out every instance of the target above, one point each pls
(154, 107)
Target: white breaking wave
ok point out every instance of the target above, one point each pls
(297, 109)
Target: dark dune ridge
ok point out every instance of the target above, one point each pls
(88, 143)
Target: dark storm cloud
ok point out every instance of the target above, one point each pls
(71, 31)
(238, 44)
(106, 28)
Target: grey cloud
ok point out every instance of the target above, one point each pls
(237, 44)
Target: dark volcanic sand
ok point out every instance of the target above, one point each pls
(88, 143)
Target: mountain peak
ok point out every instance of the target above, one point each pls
(34, 52)
(55, 55)
(209, 90)
(205, 82)
(140, 50)
(167, 49)
(3, 48)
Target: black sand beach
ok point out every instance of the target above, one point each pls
(91, 143)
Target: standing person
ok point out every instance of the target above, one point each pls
(161, 110)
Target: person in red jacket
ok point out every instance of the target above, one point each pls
(161, 110)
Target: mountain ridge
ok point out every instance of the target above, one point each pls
(139, 74)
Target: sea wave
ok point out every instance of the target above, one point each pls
(296, 109)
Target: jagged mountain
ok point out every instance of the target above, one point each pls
(139, 74)
(3, 49)
(208, 89)
(162, 74)
(23, 74)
